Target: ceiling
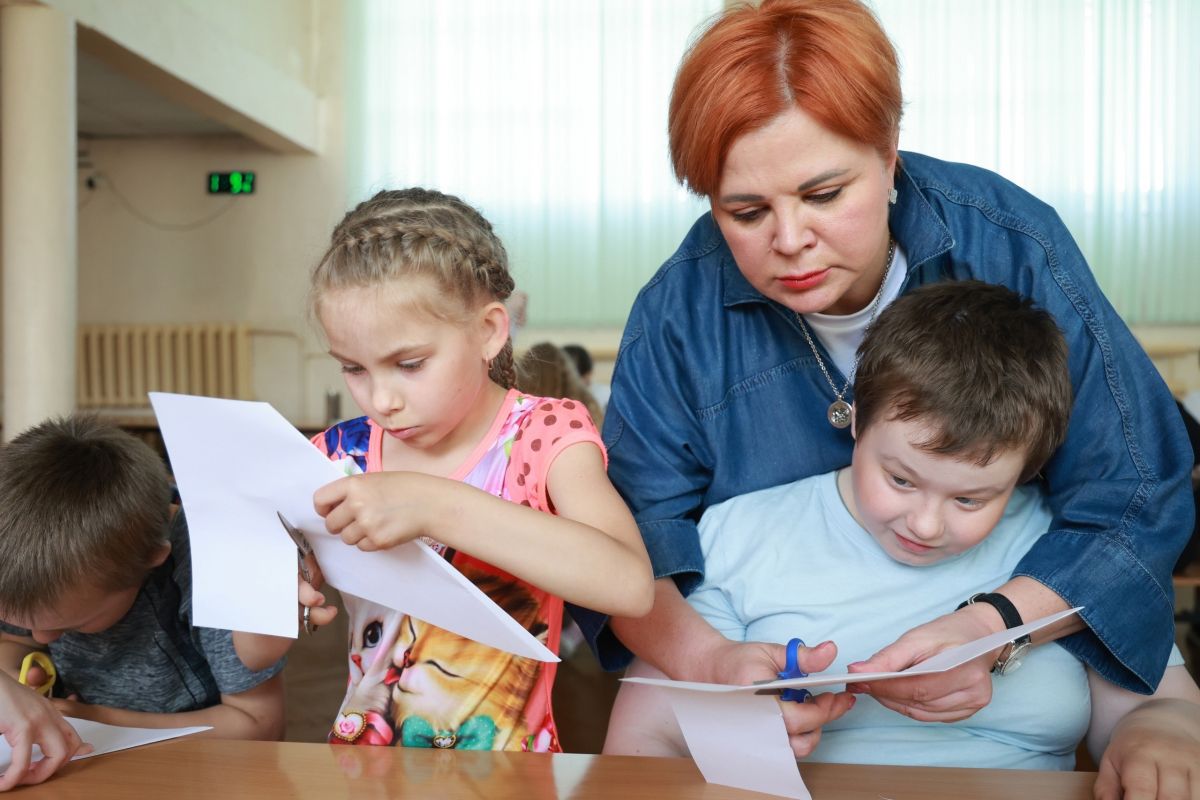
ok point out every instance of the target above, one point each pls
(113, 105)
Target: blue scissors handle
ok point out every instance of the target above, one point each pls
(793, 671)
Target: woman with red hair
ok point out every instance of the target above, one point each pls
(736, 368)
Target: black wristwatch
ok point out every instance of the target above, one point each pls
(1010, 657)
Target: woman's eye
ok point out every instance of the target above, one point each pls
(896, 479)
(372, 634)
(412, 366)
(824, 197)
(747, 216)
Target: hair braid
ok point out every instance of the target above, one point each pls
(417, 231)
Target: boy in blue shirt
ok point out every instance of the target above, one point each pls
(95, 568)
(962, 394)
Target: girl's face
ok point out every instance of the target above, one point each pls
(424, 380)
(805, 213)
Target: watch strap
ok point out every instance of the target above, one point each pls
(1009, 658)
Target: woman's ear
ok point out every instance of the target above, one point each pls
(494, 321)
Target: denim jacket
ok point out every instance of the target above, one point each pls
(715, 393)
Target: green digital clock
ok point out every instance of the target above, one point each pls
(231, 183)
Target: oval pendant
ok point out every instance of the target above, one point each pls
(839, 414)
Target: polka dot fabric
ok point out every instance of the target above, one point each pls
(550, 427)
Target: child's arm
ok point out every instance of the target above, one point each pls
(256, 713)
(258, 651)
(1146, 747)
(28, 719)
(590, 553)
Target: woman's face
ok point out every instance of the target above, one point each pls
(805, 213)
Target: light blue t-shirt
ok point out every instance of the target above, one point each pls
(791, 561)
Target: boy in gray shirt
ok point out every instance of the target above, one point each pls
(95, 568)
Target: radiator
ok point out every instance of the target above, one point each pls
(116, 365)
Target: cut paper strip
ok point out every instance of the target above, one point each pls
(710, 721)
(106, 739)
(736, 734)
(239, 466)
(941, 662)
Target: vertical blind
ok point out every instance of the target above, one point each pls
(1092, 105)
(550, 117)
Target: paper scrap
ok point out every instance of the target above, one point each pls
(239, 466)
(106, 738)
(709, 721)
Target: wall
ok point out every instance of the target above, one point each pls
(248, 264)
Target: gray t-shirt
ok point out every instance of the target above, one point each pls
(153, 659)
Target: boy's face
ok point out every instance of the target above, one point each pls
(86, 609)
(922, 507)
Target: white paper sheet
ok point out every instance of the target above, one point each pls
(737, 737)
(238, 465)
(739, 740)
(943, 661)
(106, 739)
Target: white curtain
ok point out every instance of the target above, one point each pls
(550, 117)
(1092, 105)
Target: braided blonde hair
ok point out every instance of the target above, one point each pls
(402, 232)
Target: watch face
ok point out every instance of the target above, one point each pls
(1012, 662)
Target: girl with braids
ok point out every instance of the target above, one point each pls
(510, 488)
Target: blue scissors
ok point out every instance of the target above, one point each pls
(793, 671)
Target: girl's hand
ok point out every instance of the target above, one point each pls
(311, 598)
(378, 510)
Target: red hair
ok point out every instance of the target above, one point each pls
(830, 58)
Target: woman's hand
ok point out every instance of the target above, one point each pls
(943, 697)
(28, 719)
(378, 510)
(744, 663)
(1154, 754)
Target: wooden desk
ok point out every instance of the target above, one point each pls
(198, 768)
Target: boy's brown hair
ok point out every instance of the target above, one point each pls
(82, 503)
(983, 368)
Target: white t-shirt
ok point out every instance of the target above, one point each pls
(842, 334)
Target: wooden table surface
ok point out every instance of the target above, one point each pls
(211, 768)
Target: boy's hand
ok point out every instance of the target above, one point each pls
(74, 707)
(378, 510)
(28, 719)
(945, 697)
(1151, 756)
(743, 663)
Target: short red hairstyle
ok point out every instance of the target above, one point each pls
(830, 58)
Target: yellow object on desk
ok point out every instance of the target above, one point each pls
(40, 659)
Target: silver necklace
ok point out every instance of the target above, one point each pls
(838, 412)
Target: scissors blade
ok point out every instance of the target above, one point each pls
(303, 548)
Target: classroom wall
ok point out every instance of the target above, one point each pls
(249, 264)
